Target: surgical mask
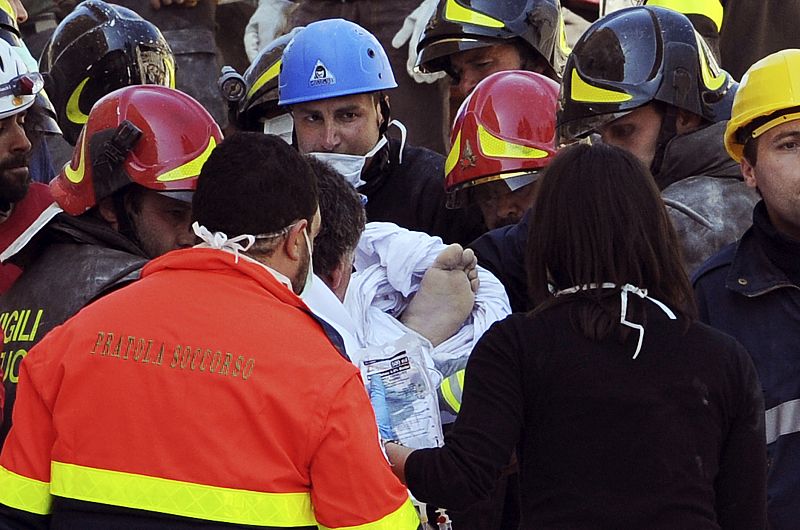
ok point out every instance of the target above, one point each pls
(281, 126)
(310, 273)
(350, 166)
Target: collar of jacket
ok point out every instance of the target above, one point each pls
(752, 273)
(698, 153)
(213, 260)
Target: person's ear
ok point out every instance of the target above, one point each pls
(749, 173)
(295, 243)
(687, 121)
(105, 207)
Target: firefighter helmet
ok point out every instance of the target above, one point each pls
(495, 138)
(260, 99)
(18, 85)
(634, 56)
(132, 136)
(97, 49)
(332, 58)
(460, 25)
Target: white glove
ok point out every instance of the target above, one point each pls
(267, 23)
(412, 29)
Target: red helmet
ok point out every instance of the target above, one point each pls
(150, 135)
(504, 131)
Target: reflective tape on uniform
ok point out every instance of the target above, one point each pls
(783, 419)
(23, 493)
(404, 518)
(452, 389)
(200, 501)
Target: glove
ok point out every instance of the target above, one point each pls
(412, 29)
(267, 23)
(377, 396)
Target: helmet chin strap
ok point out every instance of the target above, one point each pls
(666, 133)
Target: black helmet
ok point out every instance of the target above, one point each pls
(460, 25)
(260, 98)
(632, 57)
(95, 50)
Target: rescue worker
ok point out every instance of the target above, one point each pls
(21, 200)
(40, 121)
(333, 77)
(124, 199)
(281, 415)
(499, 147)
(469, 42)
(396, 25)
(96, 49)
(667, 108)
(750, 288)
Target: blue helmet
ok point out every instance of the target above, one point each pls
(332, 58)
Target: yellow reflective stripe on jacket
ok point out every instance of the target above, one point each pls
(404, 518)
(200, 501)
(452, 396)
(23, 493)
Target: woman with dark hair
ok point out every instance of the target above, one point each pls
(623, 410)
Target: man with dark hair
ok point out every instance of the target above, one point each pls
(343, 221)
(672, 121)
(493, 37)
(124, 198)
(342, 116)
(750, 288)
(215, 345)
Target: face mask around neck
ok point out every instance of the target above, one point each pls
(350, 166)
(310, 272)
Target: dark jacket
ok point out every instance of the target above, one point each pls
(671, 439)
(69, 263)
(502, 252)
(707, 201)
(411, 194)
(742, 292)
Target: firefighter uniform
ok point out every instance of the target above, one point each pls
(205, 391)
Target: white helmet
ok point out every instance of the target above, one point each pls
(18, 85)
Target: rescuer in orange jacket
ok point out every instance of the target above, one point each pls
(205, 394)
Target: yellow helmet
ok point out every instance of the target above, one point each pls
(771, 85)
(710, 9)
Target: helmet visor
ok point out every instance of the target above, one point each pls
(607, 57)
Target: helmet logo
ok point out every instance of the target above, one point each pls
(468, 159)
(321, 75)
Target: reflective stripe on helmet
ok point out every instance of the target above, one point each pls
(453, 155)
(271, 73)
(580, 90)
(74, 112)
(190, 169)
(493, 146)
(458, 13)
